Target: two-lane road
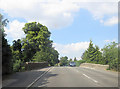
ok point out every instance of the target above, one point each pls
(77, 77)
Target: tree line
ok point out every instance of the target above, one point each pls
(107, 56)
(35, 47)
(64, 61)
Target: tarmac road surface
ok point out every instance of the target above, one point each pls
(63, 77)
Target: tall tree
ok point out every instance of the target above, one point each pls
(17, 55)
(91, 51)
(98, 55)
(110, 54)
(92, 54)
(37, 39)
(75, 59)
(6, 51)
(17, 46)
(37, 45)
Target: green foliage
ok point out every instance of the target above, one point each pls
(23, 68)
(81, 61)
(37, 39)
(109, 55)
(17, 45)
(78, 62)
(70, 60)
(91, 51)
(119, 57)
(92, 54)
(17, 55)
(84, 55)
(17, 66)
(6, 51)
(3, 23)
(98, 55)
(40, 56)
(6, 56)
(75, 59)
(50, 55)
(64, 61)
(37, 46)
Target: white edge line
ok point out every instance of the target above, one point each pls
(37, 78)
(90, 78)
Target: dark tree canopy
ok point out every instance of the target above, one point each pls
(6, 51)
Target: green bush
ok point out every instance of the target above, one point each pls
(114, 64)
(23, 68)
(17, 65)
(108, 68)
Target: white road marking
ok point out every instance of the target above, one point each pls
(51, 69)
(38, 78)
(90, 78)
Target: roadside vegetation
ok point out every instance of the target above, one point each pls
(64, 61)
(108, 55)
(7, 64)
(35, 47)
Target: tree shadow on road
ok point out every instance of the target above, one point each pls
(23, 79)
(42, 82)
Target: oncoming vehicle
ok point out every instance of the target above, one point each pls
(72, 64)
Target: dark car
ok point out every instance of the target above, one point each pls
(72, 64)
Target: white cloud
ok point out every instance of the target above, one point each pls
(54, 15)
(58, 13)
(107, 41)
(91, 0)
(99, 10)
(72, 50)
(111, 21)
(15, 30)
(103, 10)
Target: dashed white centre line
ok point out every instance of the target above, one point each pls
(90, 78)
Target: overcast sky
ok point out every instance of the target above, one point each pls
(72, 22)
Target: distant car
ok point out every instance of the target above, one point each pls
(72, 64)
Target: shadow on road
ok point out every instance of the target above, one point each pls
(22, 79)
(42, 82)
